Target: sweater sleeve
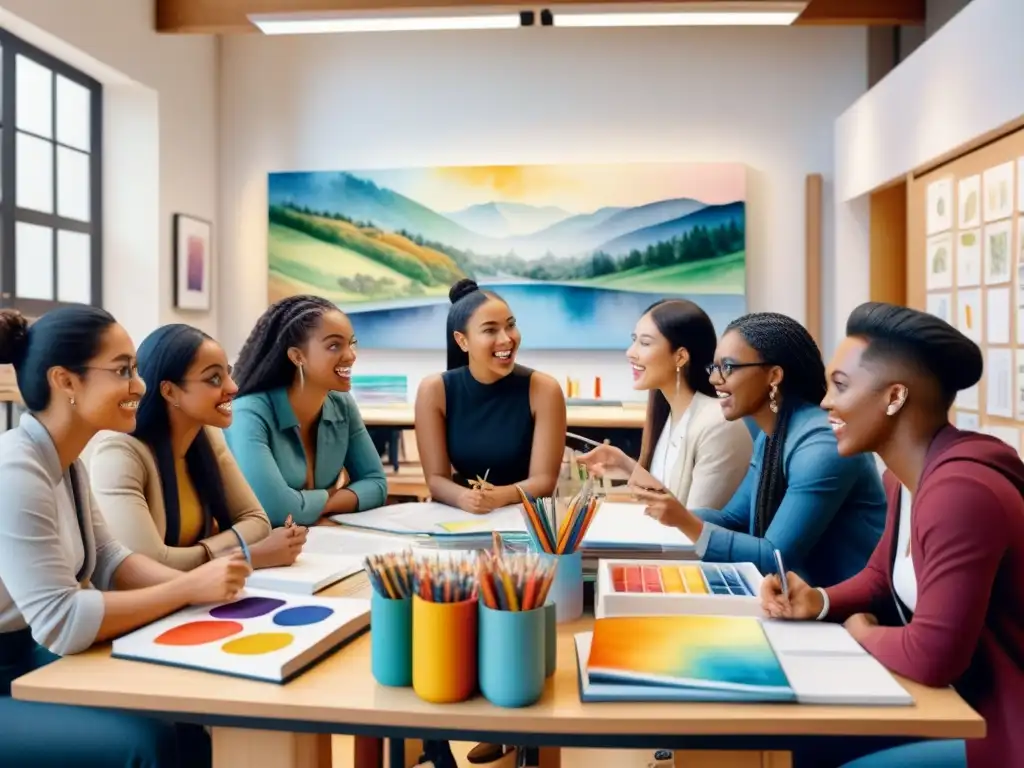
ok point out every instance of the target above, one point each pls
(723, 457)
(63, 616)
(959, 544)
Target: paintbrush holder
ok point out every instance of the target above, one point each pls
(444, 650)
(391, 640)
(512, 656)
(567, 587)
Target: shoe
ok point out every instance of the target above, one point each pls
(663, 758)
(486, 753)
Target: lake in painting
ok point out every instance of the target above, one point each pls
(577, 251)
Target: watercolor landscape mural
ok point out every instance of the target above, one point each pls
(578, 251)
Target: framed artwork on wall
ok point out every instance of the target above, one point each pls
(193, 262)
(578, 251)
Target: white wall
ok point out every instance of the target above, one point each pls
(160, 139)
(964, 82)
(764, 97)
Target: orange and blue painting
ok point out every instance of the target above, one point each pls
(578, 251)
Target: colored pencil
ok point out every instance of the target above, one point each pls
(515, 582)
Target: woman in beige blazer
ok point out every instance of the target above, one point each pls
(172, 490)
(687, 444)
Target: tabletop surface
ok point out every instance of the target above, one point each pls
(341, 689)
(630, 415)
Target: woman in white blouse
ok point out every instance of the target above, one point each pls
(65, 582)
(687, 444)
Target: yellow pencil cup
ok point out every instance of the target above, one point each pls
(444, 648)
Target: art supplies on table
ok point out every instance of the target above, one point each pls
(309, 574)
(729, 658)
(434, 578)
(540, 514)
(518, 582)
(269, 636)
(669, 587)
(433, 519)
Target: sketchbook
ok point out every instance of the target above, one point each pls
(350, 542)
(727, 658)
(434, 519)
(269, 636)
(626, 527)
(309, 574)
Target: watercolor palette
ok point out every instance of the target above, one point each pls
(263, 635)
(671, 587)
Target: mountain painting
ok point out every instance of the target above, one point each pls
(578, 251)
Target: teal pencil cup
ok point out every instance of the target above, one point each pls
(550, 639)
(391, 640)
(512, 656)
(567, 588)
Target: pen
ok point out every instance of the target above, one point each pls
(782, 574)
(288, 522)
(242, 544)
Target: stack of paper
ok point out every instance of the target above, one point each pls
(624, 531)
(309, 574)
(433, 519)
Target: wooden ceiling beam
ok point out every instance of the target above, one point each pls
(226, 17)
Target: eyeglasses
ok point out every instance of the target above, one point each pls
(725, 369)
(125, 372)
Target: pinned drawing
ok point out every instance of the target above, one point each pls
(967, 421)
(1020, 302)
(997, 315)
(997, 189)
(939, 305)
(968, 398)
(1020, 185)
(969, 313)
(968, 258)
(940, 206)
(968, 194)
(940, 262)
(998, 260)
(1020, 384)
(999, 394)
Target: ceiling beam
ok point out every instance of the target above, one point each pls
(226, 17)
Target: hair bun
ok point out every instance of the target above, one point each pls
(461, 289)
(13, 336)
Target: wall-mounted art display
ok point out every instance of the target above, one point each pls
(940, 206)
(192, 262)
(578, 251)
(997, 183)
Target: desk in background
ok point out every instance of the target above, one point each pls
(266, 724)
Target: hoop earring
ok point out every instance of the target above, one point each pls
(773, 403)
(302, 376)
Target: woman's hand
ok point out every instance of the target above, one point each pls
(280, 548)
(217, 581)
(804, 601)
(860, 624)
(603, 458)
(479, 501)
(663, 507)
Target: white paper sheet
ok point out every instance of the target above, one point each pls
(810, 637)
(624, 525)
(309, 574)
(940, 206)
(997, 191)
(337, 540)
(999, 392)
(997, 315)
(969, 201)
(939, 262)
(998, 258)
(969, 313)
(968, 258)
(431, 518)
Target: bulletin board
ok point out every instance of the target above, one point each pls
(965, 265)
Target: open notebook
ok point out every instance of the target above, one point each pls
(310, 573)
(434, 519)
(727, 658)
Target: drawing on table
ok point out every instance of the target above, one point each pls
(578, 251)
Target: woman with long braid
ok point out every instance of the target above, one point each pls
(296, 428)
(823, 512)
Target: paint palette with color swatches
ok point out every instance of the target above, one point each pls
(671, 587)
(270, 636)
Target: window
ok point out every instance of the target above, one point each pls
(50, 181)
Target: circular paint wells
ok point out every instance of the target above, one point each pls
(302, 615)
(247, 608)
(198, 633)
(262, 642)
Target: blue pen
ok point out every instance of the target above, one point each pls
(782, 574)
(242, 544)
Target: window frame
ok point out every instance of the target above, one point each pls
(11, 214)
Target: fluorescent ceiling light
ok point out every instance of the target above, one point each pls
(679, 15)
(382, 21)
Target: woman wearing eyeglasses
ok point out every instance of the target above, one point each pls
(823, 512)
(687, 444)
(171, 489)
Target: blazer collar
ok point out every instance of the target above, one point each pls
(41, 438)
(285, 416)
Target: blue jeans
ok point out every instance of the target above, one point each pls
(922, 754)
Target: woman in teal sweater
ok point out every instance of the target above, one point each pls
(296, 428)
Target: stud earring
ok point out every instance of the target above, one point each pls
(72, 401)
(773, 402)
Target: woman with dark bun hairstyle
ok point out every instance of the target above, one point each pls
(487, 417)
(65, 582)
(941, 601)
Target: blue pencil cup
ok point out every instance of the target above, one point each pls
(550, 639)
(567, 588)
(512, 656)
(391, 640)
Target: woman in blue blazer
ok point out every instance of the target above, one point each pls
(823, 512)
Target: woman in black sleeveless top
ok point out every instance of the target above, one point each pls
(486, 417)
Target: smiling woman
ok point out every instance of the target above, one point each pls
(171, 489)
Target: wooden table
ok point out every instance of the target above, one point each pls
(266, 724)
(579, 416)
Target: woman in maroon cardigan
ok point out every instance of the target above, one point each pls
(942, 599)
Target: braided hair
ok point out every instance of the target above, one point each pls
(781, 341)
(263, 363)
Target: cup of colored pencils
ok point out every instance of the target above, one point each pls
(444, 628)
(391, 577)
